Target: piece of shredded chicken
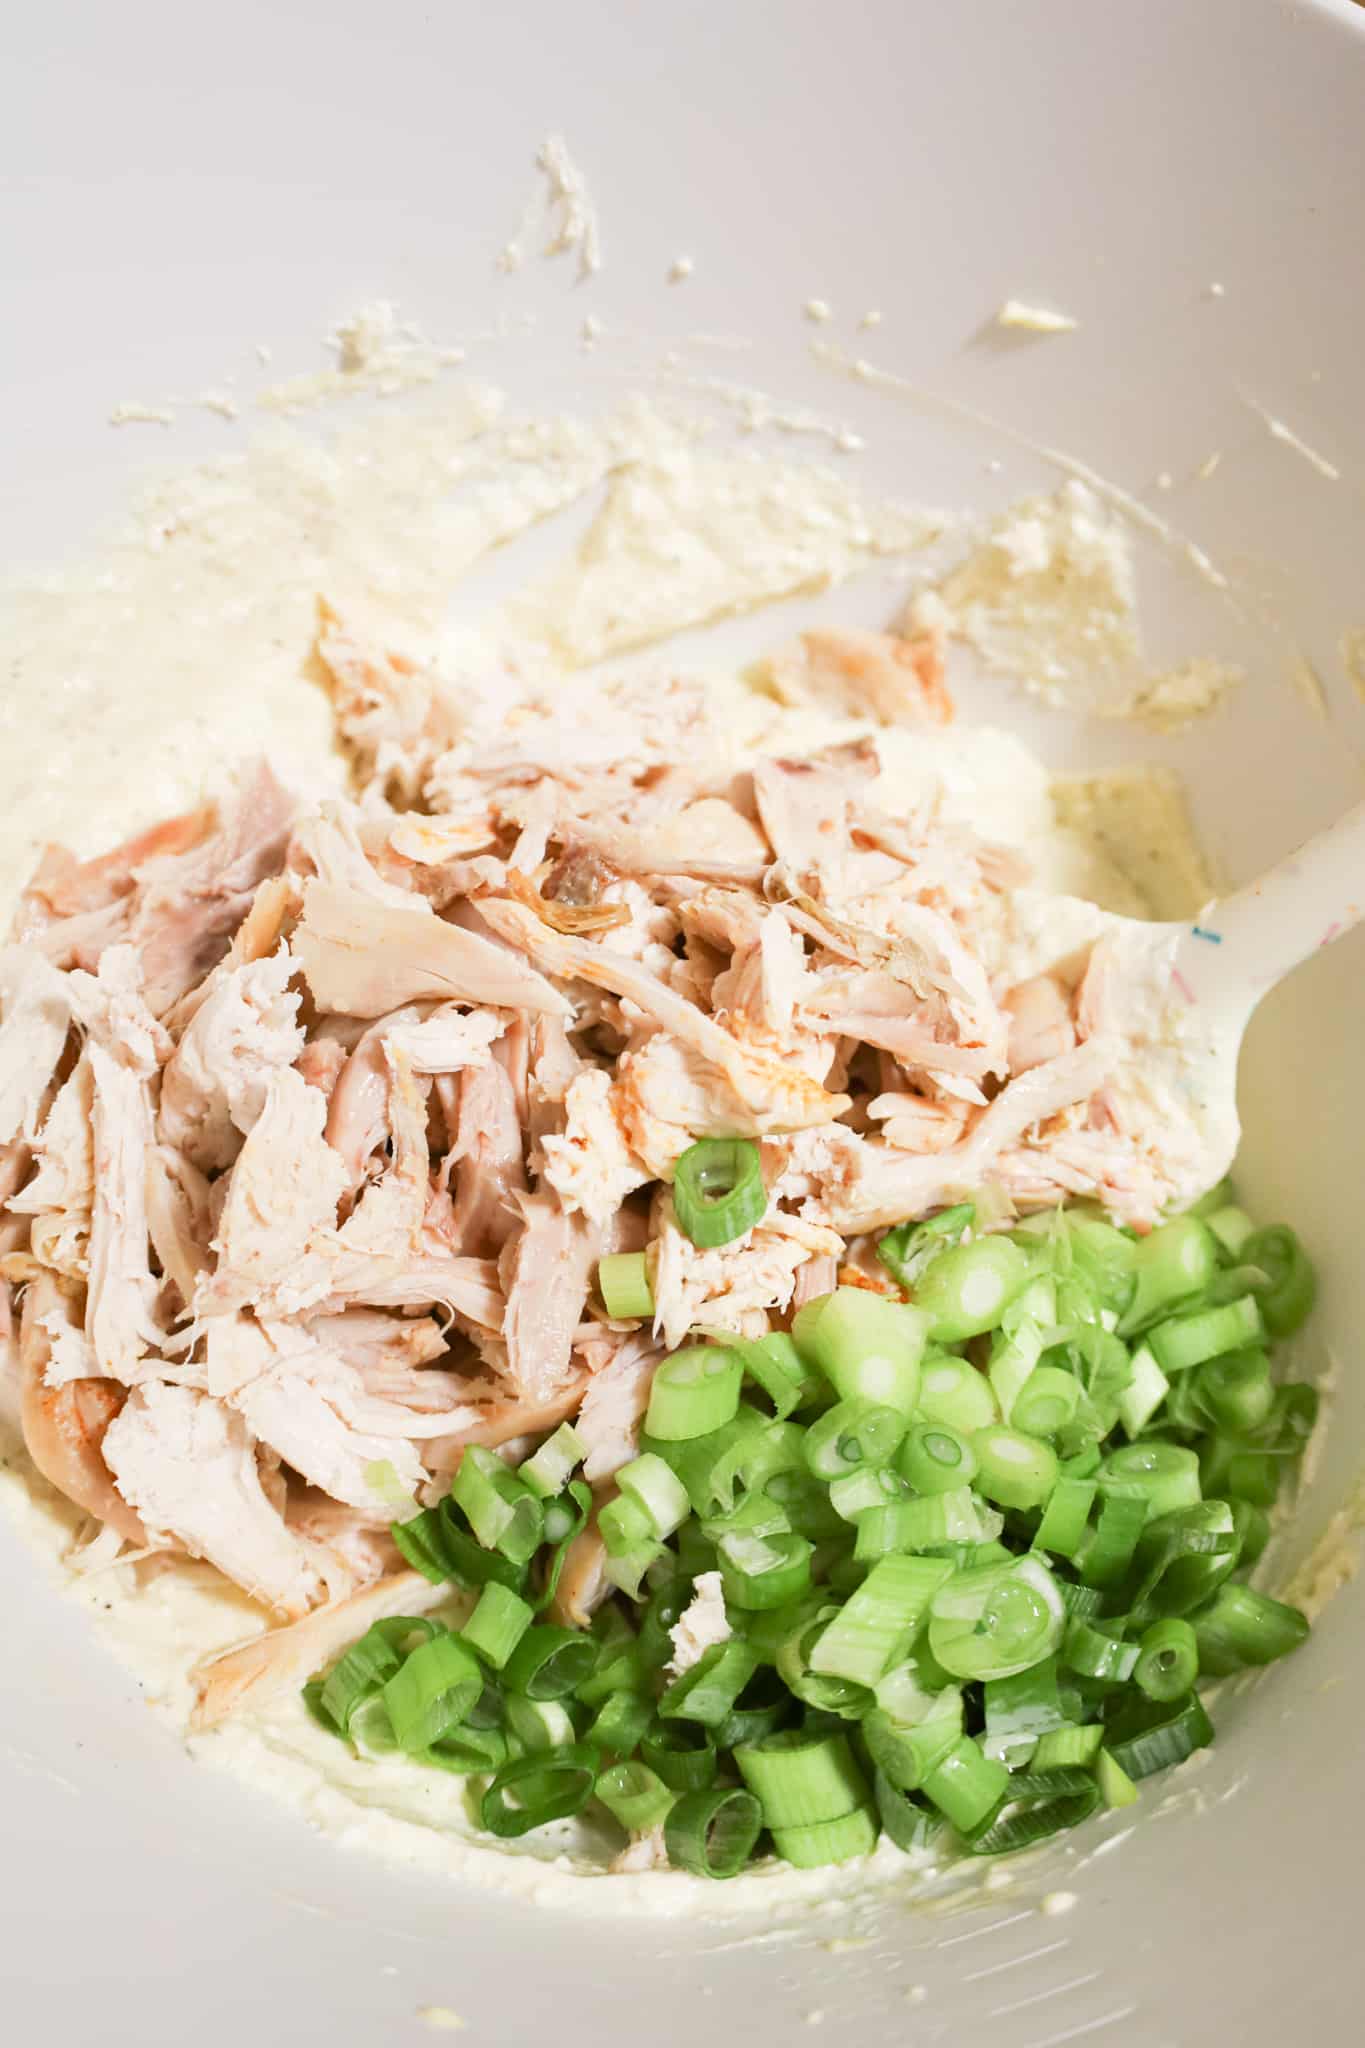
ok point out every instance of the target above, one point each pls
(314, 1125)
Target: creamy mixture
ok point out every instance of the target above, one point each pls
(486, 770)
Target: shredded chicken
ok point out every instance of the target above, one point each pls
(315, 1124)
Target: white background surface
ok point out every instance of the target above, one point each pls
(176, 187)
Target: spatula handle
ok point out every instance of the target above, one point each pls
(1242, 946)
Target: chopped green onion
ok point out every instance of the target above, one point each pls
(1046, 1402)
(718, 1191)
(1163, 1475)
(499, 1621)
(1251, 1526)
(830, 1841)
(682, 1754)
(1231, 1226)
(537, 1789)
(967, 1786)
(1189, 1340)
(369, 1664)
(549, 1663)
(1066, 1517)
(1015, 1470)
(868, 1486)
(1236, 1392)
(470, 1564)
(655, 1488)
(786, 1578)
(635, 1796)
(800, 1782)
(1107, 1555)
(620, 1723)
(850, 1434)
(1144, 1393)
(1168, 1660)
(1175, 1263)
(1116, 1787)
(538, 1725)
(1291, 1285)
(996, 1619)
(1148, 1737)
(1098, 1652)
(869, 1348)
(1246, 1627)
(905, 1819)
(1023, 1824)
(431, 1692)
(1064, 1749)
(623, 1283)
(713, 1833)
(907, 1250)
(908, 1751)
(421, 1545)
(470, 1752)
(955, 1394)
(965, 1291)
(504, 1515)
(953, 1517)
(548, 1470)
(1020, 1710)
(565, 1518)
(876, 1626)
(1183, 1558)
(774, 1364)
(708, 1690)
(935, 1459)
(694, 1393)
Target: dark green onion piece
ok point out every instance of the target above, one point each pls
(708, 1691)
(422, 1545)
(569, 1513)
(549, 1663)
(718, 1190)
(1168, 1660)
(1109, 1552)
(1183, 1558)
(713, 1833)
(550, 1785)
(1236, 1392)
(681, 1753)
(910, 1824)
(1022, 1826)
(1246, 1627)
(470, 1752)
(471, 1566)
(1098, 1652)
(1148, 1737)
(1291, 1285)
(431, 1692)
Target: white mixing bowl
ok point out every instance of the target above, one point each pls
(1184, 177)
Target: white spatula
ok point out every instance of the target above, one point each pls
(1199, 983)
